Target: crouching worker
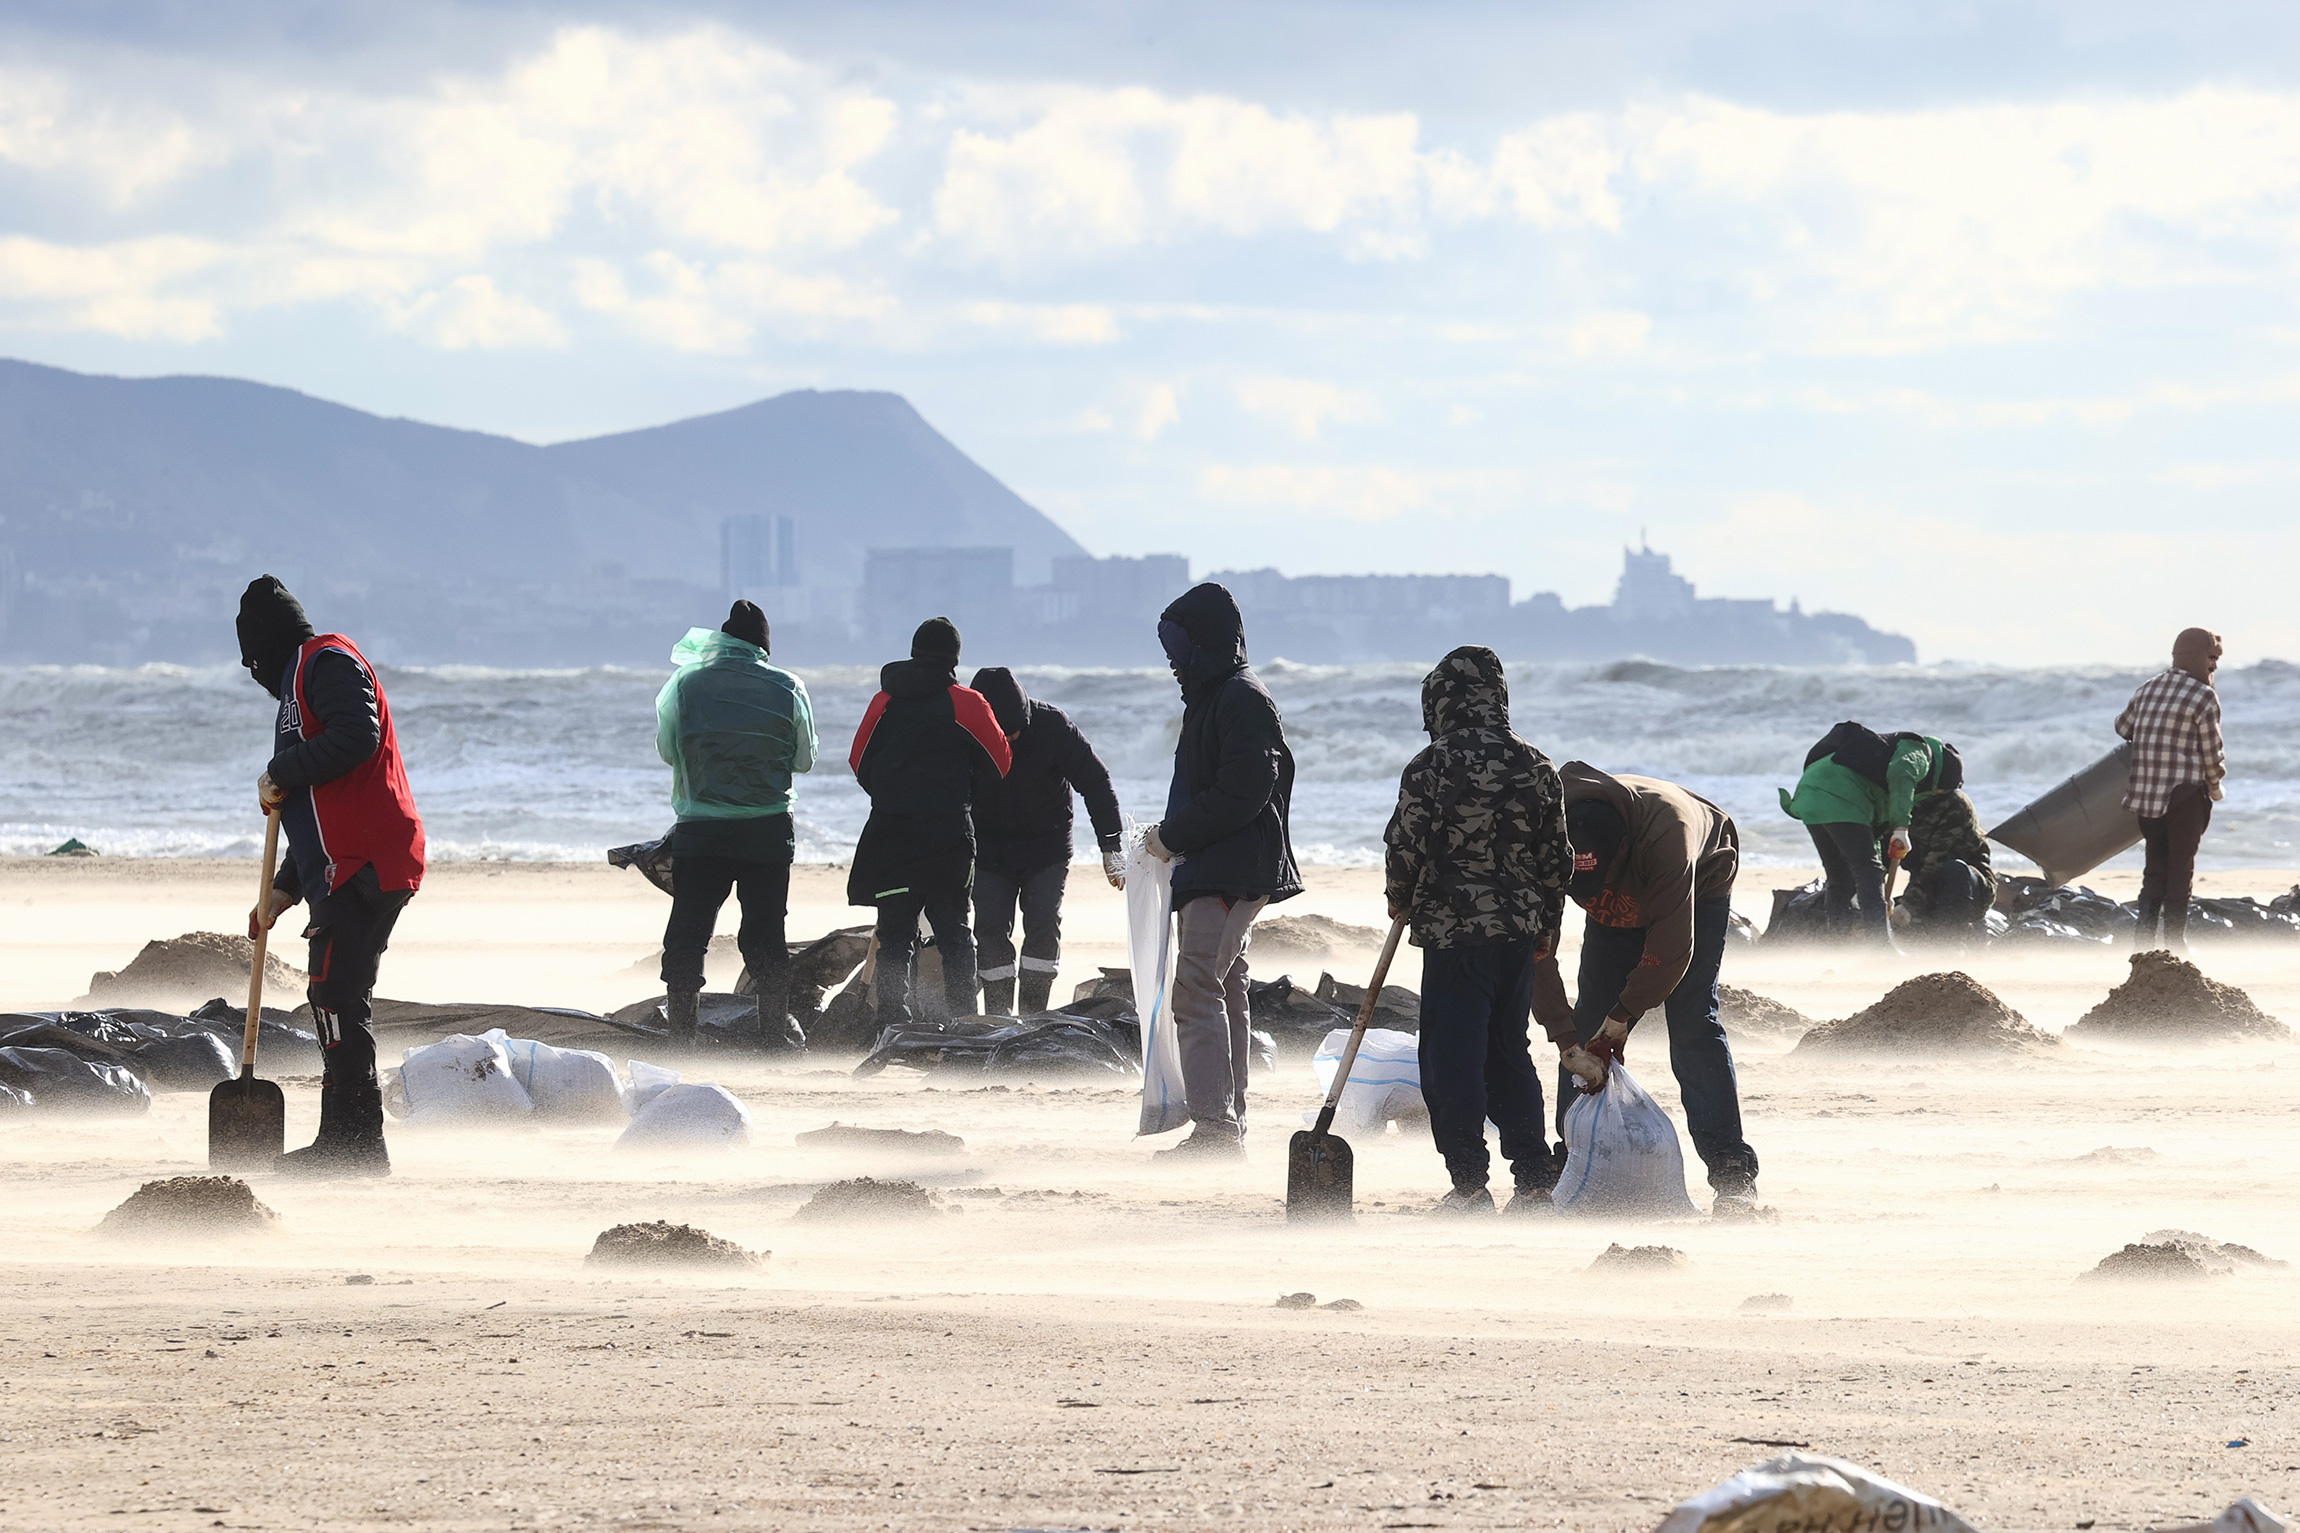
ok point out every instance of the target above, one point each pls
(355, 851)
(1022, 856)
(1653, 865)
(1477, 862)
(734, 729)
(1950, 885)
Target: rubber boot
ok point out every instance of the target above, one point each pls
(680, 1010)
(350, 1141)
(770, 1032)
(998, 997)
(1033, 991)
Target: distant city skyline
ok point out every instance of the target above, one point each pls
(1982, 322)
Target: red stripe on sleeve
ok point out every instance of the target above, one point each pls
(863, 732)
(975, 716)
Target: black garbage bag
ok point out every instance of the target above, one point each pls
(1800, 914)
(1053, 1043)
(2093, 917)
(58, 1080)
(2017, 893)
(721, 1020)
(2036, 927)
(170, 1053)
(12, 1100)
(1398, 1009)
(651, 858)
(1294, 1017)
(282, 1048)
(2243, 918)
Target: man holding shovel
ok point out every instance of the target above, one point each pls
(1478, 863)
(355, 851)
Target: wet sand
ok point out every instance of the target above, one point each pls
(1087, 1339)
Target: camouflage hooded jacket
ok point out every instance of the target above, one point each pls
(1477, 848)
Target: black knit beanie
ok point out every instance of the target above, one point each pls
(272, 626)
(937, 640)
(746, 622)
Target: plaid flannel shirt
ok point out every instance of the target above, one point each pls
(2173, 722)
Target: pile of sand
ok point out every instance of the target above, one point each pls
(192, 968)
(190, 1205)
(1311, 936)
(661, 1244)
(1760, 1016)
(1621, 1258)
(2168, 999)
(864, 1198)
(849, 1136)
(1951, 1012)
(2179, 1256)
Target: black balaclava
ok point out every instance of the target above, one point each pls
(1949, 770)
(936, 642)
(1597, 832)
(272, 628)
(746, 622)
(1008, 703)
(1203, 635)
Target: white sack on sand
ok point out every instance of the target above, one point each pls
(1385, 1079)
(1622, 1155)
(461, 1079)
(1805, 1491)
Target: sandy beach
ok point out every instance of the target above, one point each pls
(1083, 1339)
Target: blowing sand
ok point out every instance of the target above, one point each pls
(1085, 1339)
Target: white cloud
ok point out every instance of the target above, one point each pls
(1305, 404)
(1161, 407)
(1614, 332)
(471, 313)
(127, 289)
(109, 140)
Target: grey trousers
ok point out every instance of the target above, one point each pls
(1212, 1024)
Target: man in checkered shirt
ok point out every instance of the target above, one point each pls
(2173, 722)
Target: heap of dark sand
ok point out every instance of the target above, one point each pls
(662, 1244)
(1938, 1013)
(865, 1198)
(196, 965)
(1621, 1258)
(189, 1205)
(1745, 1011)
(852, 1136)
(2167, 999)
(1311, 936)
(2179, 1256)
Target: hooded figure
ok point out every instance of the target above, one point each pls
(1658, 890)
(1226, 820)
(1022, 827)
(355, 851)
(2178, 763)
(926, 748)
(733, 729)
(1477, 862)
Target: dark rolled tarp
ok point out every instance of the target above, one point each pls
(58, 1080)
(2078, 825)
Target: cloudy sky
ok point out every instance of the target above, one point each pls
(1977, 319)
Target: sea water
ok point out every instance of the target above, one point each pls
(538, 765)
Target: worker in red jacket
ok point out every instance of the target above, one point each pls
(924, 746)
(355, 852)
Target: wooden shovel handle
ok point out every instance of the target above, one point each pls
(1358, 1033)
(263, 934)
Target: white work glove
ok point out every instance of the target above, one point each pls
(1156, 847)
(269, 795)
(1898, 847)
(1114, 869)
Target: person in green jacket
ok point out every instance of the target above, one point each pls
(1855, 799)
(733, 729)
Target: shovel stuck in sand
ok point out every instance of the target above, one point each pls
(1320, 1171)
(247, 1118)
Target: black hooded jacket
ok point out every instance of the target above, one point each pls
(1022, 823)
(926, 749)
(1233, 775)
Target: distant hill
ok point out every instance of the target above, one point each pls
(132, 511)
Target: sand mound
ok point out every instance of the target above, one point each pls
(1745, 1011)
(1621, 1258)
(2168, 999)
(848, 1136)
(864, 1198)
(1311, 936)
(1951, 1012)
(1768, 1304)
(2178, 1256)
(661, 1244)
(190, 1205)
(193, 967)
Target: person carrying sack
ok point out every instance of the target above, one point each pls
(1477, 862)
(733, 729)
(1653, 865)
(926, 748)
(2178, 764)
(1225, 831)
(1022, 853)
(355, 852)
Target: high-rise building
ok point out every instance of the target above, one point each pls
(758, 552)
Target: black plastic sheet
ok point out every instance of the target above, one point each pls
(58, 1080)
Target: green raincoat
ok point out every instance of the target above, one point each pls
(733, 728)
(1831, 793)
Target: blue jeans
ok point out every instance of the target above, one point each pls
(1476, 1063)
(1697, 1049)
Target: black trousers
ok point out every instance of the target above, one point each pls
(898, 915)
(1477, 1063)
(1855, 871)
(997, 893)
(348, 931)
(2169, 876)
(699, 889)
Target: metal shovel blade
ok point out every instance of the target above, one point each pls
(1320, 1179)
(247, 1124)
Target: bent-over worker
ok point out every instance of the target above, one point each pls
(1855, 798)
(1950, 884)
(2178, 764)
